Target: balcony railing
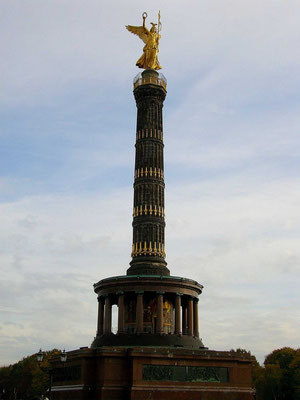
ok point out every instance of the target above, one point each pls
(154, 79)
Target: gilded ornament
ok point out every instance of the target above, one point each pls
(149, 59)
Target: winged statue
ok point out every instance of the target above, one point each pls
(149, 59)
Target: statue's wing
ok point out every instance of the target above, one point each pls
(141, 31)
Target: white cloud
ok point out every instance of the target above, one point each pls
(53, 45)
(242, 246)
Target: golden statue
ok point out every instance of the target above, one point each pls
(149, 59)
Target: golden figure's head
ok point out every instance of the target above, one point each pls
(153, 27)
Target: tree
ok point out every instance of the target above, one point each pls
(295, 366)
(26, 380)
(279, 379)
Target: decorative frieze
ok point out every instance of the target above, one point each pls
(149, 249)
(186, 373)
(156, 211)
(149, 172)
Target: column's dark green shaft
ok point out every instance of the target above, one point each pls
(148, 248)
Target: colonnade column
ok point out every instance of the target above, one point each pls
(139, 312)
(107, 315)
(190, 325)
(121, 312)
(100, 316)
(196, 318)
(178, 314)
(184, 319)
(160, 312)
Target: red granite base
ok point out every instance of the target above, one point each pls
(114, 373)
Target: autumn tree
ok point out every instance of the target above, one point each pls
(26, 379)
(279, 378)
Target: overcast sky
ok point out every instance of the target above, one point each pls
(232, 147)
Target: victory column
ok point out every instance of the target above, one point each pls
(156, 353)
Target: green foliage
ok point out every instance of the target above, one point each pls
(279, 379)
(26, 380)
(283, 357)
(247, 353)
(241, 351)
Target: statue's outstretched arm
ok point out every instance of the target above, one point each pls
(144, 19)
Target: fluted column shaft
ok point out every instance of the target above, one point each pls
(107, 315)
(160, 313)
(148, 247)
(196, 318)
(190, 323)
(121, 313)
(184, 319)
(178, 314)
(139, 313)
(100, 316)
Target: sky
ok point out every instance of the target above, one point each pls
(232, 147)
